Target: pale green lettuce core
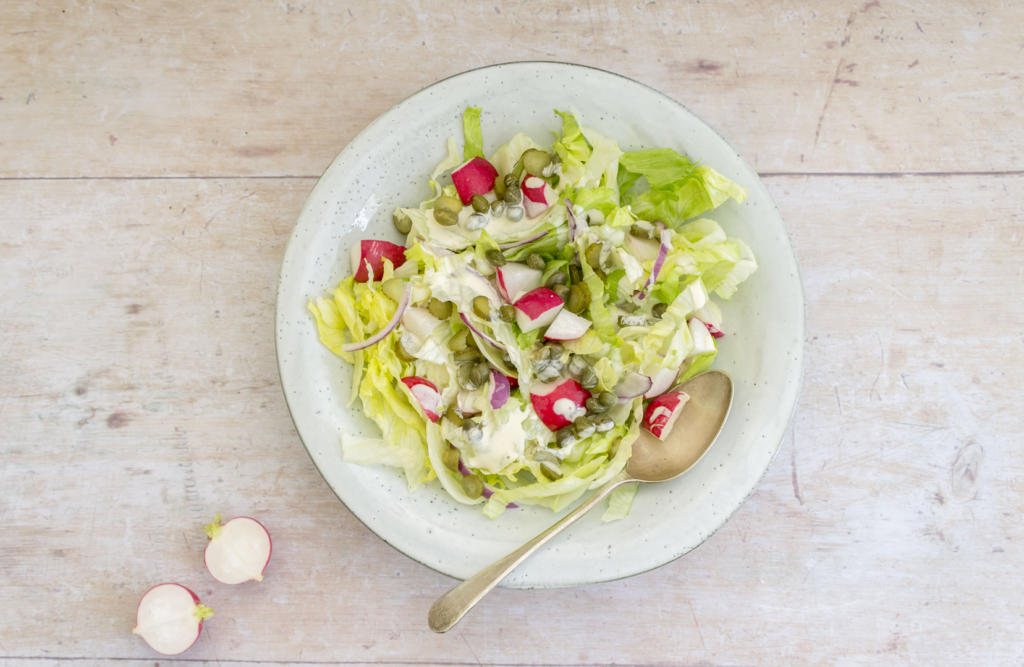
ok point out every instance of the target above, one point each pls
(595, 175)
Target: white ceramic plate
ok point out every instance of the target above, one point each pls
(388, 164)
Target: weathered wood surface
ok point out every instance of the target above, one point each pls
(226, 88)
(139, 392)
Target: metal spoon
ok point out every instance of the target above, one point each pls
(651, 461)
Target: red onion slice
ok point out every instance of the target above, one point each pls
(500, 391)
(576, 226)
(480, 334)
(388, 328)
(632, 386)
(666, 243)
(516, 244)
(661, 226)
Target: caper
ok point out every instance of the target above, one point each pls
(608, 399)
(561, 291)
(513, 196)
(594, 406)
(579, 298)
(514, 213)
(594, 254)
(507, 358)
(445, 217)
(442, 310)
(473, 486)
(498, 208)
(557, 278)
(588, 378)
(507, 313)
(604, 424)
(473, 432)
(480, 203)
(403, 223)
(482, 307)
(450, 459)
(452, 415)
(564, 436)
(583, 427)
(575, 273)
(402, 352)
(576, 365)
(448, 202)
(476, 222)
(495, 258)
(534, 161)
(641, 232)
(510, 181)
(499, 187)
(535, 261)
(480, 374)
(466, 354)
(458, 341)
(658, 311)
(554, 350)
(464, 377)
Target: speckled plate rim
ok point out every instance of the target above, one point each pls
(799, 361)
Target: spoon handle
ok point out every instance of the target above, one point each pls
(453, 605)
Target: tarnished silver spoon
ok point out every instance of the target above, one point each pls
(652, 461)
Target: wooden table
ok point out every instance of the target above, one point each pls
(154, 158)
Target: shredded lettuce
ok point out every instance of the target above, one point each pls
(619, 503)
(474, 135)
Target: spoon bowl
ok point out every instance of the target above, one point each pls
(651, 461)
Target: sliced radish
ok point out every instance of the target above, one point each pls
(632, 385)
(515, 280)
(387, 328)
(374, 252)
(711, 316)
(420, 323)
(644, 250)
(662, 413)
(238, 551)
(499, 391)
(475, 177)
(480, 334)
(426, 395)
(666, 243)
(516, 244)
(703, 341)
(545, 396)
(662, 382)
(537, 196)
(537, 308)
(567, 326)
(170, 618)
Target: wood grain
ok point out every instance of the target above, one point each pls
(108, 89)
(140, 396)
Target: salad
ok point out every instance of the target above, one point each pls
(546, 301)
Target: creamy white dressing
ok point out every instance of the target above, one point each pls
(566, 409)
(501, 445)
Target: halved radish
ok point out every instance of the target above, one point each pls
(170, 618)
(661, 413)
(537, 308)
(537, 196)
(515, 280)
(567, 326)
(374, 252)
(420, 323)
(545, 398)
(711, 316)
(644, 250)
(426, 394)
(703, 342)
(662, 382)
(475, 177)
(238, 551)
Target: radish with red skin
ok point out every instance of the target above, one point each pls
(515, 280)
(238, 551)
(374, 252)
(662, 382)
(170, 618)
(537, 196)
(475, 177)
(703, 341)
(543, 396)
(537, 308)
(711, 316)
(661, 413)
(567, 326)
(426, 395)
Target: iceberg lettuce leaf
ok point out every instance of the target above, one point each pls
(474, 146)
